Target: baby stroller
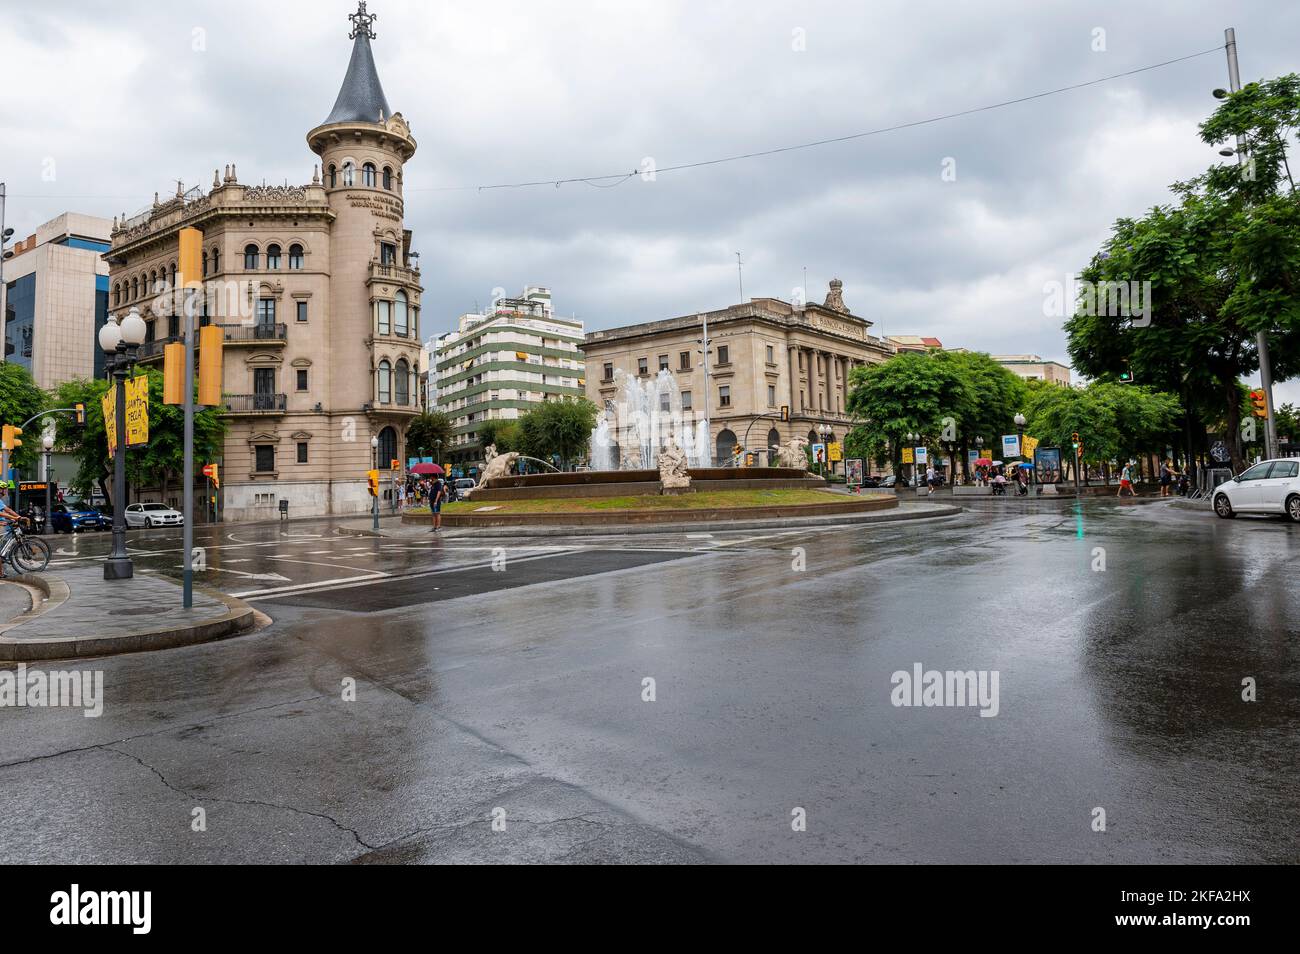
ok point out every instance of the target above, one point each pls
(999, 487)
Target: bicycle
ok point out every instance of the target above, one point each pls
(25, 554)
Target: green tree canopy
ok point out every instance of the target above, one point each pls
(20, 398)
(557, 427)
(504, 433)
(425, 431)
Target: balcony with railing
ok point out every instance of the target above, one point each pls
(255, 334)
(392, 272)
(255, 403)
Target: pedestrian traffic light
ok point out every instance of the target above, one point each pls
(10, 437)
(211, 341)
(736, 449)
(785, 412)
(174, 373)
(372, 482)
(81, 412)
(1126, 376)
(1259, 405)
(213, 473)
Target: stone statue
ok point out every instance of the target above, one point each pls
(489, 452)
(792, 453)
(632, 459)
(498, 465)
(672, 466)
(835, 297)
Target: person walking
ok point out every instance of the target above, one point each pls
(929, 480)
(1126, 482)
(437, 493)
(1166, 478)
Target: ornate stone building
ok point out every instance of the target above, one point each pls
(318, 295)
(765, 354)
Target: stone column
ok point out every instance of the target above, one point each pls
(814, 385)
(793, 354)
(827, 357)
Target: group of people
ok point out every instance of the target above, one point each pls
(431, 491)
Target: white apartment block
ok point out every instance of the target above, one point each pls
(500, 364)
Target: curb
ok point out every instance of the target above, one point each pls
(833, 520)
(238, 619)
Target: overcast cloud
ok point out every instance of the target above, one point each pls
(115, 100)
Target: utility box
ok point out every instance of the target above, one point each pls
(284, 509)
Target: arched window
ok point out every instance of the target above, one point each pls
(173, 274)
(385, 317)
(135, 288)
(385, 388)
(348, 170)
(402, 382)
(295, 256)
(216, 260)
(773, 439)
(726, 441)
(388, 178)
(368, 175)
(387, 449)
(250, 258)
(153, 283)
(333, 178)
(117, 294)
(205, 263)
(400, 326)
(273, 256)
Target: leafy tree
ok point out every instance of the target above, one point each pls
(425, 431)
(1054, 414)
(557, 427)
(1223, 263)
(1288, 422)
(504, 433)
(20, 398)
(160, 462)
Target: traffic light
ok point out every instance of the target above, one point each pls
(1259, 405)
(211, 341)
(10, 439)
(1126, 374)
(736, 449)
(785, 412)
(1075, 439)
(81, 412)
(372, 482)
(213, 473)
(174, 373)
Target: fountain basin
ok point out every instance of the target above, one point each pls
(629, 483)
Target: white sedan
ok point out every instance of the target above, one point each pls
(1271, 486)
(152, 515)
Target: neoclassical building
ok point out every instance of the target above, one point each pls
(318, 293)
(765, 354)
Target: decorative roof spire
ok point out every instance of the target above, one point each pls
(361, 98)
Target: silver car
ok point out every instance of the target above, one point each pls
(153, 515)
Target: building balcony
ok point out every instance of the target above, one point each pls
(255, 403)
(394, 273)
(255, 334)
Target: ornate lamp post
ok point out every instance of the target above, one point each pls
(912, 438)
(824, 432)
(47, 445)
(120, 343)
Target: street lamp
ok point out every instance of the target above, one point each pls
(374, 456)
(47, 445)
(120, 343)
(824, 432)
(912, 438)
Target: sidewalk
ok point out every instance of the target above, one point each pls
(76, 612)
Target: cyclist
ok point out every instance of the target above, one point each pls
(8, 514)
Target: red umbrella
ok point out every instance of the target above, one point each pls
(426, 469)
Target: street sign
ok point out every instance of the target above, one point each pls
(907, 455)
(1028, 446)
(818, 453)
(922, 455)
(972, 456)
(834, 451)
(1010, 445)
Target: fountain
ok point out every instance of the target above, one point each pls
(643, 416)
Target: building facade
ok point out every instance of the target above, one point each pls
(1033, 368)
(764, 354)
(500, 364)
(317, 294)
(56, 299)
(921, 344)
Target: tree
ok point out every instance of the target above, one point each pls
(501, 432)
(428, 433)
(559, 427)
(20, 398)
(1288, 422)
(1223, 263)
(158, 462)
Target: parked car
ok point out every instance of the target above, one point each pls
(75, 517)
(871, 481)
(460, 487)
(1271, 486)
(152, 515)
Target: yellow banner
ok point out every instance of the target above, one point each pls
(1027, 446)
(109, 404)
(907, 455)
(137, 411)
(835, 451)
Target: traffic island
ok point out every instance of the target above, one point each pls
(77, 612)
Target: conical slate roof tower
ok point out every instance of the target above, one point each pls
(361, 98)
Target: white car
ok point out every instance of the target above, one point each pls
(1271, 486)
(152, 515)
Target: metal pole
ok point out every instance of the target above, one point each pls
(708, 396)
(740, 277)
(187, 469)
(49, 476)
(1261, 337)
(4, 292)
(374, 504)
(118, 565)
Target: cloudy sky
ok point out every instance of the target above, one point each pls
(107, 102)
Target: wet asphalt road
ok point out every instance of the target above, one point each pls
(517, 693)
